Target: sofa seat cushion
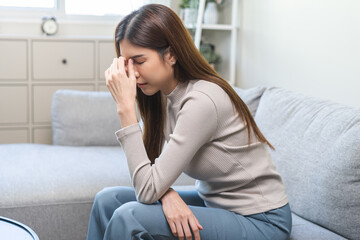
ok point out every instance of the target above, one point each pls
(57, 184)
(303, 230)
(317, 154)
(53, 187)
(35, 174)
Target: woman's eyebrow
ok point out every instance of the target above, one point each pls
(136, 56)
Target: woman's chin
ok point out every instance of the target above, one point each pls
(148, 92)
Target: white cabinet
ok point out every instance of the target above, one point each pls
(33, 68)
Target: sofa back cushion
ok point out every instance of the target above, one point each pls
(251, 96)
(84, 118)
(88, 118)
(317, 153)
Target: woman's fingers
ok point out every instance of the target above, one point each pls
(183, 229)
(173, 228)
(122, 65)
(131, 70)
(186, 228)
(113, 70)
(107, 75)
(117, 64)
(194, 228)
(197, 221)
(179, 230)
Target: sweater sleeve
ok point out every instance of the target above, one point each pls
(196, 123)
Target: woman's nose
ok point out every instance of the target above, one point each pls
(137, 74)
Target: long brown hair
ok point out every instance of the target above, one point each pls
(157, 27)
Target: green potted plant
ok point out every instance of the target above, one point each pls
(184, 4)
(207, 50)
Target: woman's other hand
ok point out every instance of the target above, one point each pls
(179, 216)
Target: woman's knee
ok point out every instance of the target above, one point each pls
(139, 211)
(126, 210)
(109, 196)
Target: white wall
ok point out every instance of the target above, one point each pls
(25, 22)
(303, 45)
(32, 27)
(308, 46)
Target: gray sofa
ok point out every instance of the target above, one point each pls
(51, 188)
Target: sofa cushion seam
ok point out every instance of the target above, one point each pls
(50, 204)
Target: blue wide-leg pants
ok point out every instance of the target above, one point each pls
(116, 215)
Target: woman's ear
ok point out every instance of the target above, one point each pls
(170, 57)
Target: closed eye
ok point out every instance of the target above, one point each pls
(139, 62)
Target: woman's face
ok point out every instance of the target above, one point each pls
(150, 68)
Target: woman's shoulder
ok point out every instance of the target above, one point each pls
(206, 87)
(212, 90)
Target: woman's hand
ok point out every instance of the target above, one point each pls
(121, 82)
(179, 216)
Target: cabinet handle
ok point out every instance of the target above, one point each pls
(64, 61)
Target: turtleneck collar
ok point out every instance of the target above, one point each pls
(177, 93)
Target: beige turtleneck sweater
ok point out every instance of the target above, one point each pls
(207, 140)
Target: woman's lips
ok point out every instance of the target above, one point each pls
(141, 85)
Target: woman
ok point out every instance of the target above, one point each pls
(194, 122)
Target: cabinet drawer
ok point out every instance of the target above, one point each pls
(13, 60)
(63, 60)
(103, 88)
(42, 135)
(14, 135)
(107, 53)
(13, 104)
